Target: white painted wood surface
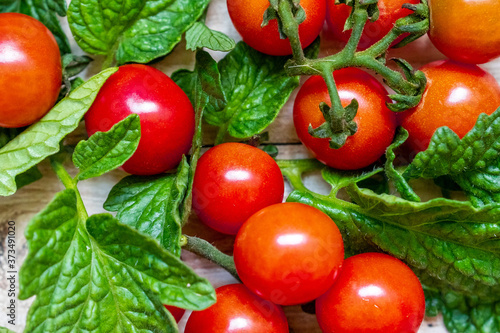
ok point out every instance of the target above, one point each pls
(22, 206)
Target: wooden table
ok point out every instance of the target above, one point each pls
(31, 199)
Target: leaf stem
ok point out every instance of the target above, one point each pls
(69, 183)
(206, 250)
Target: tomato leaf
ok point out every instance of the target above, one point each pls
(200, 36)
(5, 330)
(29, 176)
(74, 65)
(449, 244)
(152, 205)
(104, 152)
(45, 11)
(397, 178)
(255, 87)
(101, 276)
(473, 162)
(463, 314)
(133, 31)
(42, 138)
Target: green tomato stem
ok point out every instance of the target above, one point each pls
(206, 250)
(291, 30)
(69, 183)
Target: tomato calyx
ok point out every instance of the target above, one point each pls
(407, 83)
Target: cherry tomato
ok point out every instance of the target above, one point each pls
(30, 70)
(247, 17)
(390, 12)
(165, 112)
(288, 253)
(455, 95)
(374, 293)
(233, 181)
(376, 123)
(176, 312)
(464, 30)
(238, 310)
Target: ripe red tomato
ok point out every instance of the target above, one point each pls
(165, 112)
(464, 30)
(176, 312)
(233, 181)
(376, 123)
(247, 17)
(374, 293)
(455, 95)
(30, 70)
(390, 12)
(238, 310)
(288, 253)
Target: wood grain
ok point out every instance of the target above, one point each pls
(29, 200)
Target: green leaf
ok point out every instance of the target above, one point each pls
(29, 176)
(473, 162)
(42, 138)
(397, 178)
(152, 205)
(101, 276)
(74, 65)
(134, 30)
(5, 330)
(464, 314)
(104, 152)
(200, 36)
(255, 87)
(46, 11)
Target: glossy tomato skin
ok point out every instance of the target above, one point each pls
(238, 310)
(288, 253)
(464, 30)
(30, 70)
(374, 293)
(455, 95)
(165, 112)
(247, 17)
(233, 181)
(376, 123)
(176, 312)
(390, 12)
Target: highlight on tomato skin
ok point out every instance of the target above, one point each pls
(165, 112)
(30, 70)
(288, 253)
(376, 123)
(373, 293)
(233, 181)
(238, 310)
(455, 95)
(247, 17)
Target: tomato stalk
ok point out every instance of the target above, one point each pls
(408, 84)
(206, 250)
(69, 183)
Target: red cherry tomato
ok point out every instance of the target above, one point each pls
(165, 112)
(374, 293)
(455, 95)
(390, 12)
(233, 181)
(30, 70)
(247, 17)
(176, 312)
(288, 253)
(464, 30)
(376, 123)
(238, 310)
